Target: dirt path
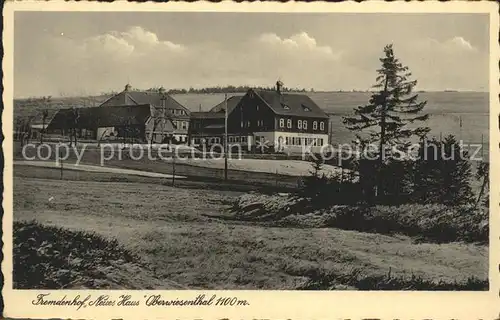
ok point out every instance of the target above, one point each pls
(86, 167)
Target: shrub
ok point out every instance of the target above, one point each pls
(48, 257)
(388, 282)
(431, 222)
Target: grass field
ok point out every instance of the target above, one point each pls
(172, 231)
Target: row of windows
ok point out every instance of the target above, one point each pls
(291, 141)
(302, 124)
(181, 124)
(179, 112)
(237, 139)
(211, 140)
(298, 141)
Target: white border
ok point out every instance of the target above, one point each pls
(267, 304)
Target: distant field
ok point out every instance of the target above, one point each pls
(168, 228)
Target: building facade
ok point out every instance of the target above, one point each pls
(265, 119)
(162, 103)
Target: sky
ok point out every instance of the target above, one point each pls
(80, 53)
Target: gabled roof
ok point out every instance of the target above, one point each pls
(112, 116)
(290, 104)
(143, 97)
(208, 115)
(232, 102)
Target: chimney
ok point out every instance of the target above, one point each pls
(128, 87)
(162, 90)
(279, 85)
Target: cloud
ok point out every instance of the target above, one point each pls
(132, 43)
(300, 42)
(145, 40)
(461, 43)
(107, 61)
(455, 45)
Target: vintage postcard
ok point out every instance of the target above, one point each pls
(251, 161)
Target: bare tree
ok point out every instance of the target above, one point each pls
(159, 117)
(45, 115)
(73, 121)
(25, 130)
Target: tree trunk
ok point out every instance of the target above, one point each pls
(380, 180)
(481, 192)
(152, 134)
(41, 131)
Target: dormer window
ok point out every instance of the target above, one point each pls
(285, 106)
(306, 108)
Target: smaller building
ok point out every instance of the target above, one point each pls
(137, 123)
(208, 128)
(158, 99)
(37, 129)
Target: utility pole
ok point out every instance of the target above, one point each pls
(173, 166)
(61, 159)
(225, 137)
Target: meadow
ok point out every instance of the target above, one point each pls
(185, 238)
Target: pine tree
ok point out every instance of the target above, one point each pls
(314, 186)
(442, 173)
(390, 110)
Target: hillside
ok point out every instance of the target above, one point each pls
(33, 106)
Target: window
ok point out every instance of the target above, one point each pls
(315, 125)
(285, 106)
(248, 124)
(289, 123)
(242, 124)
(320, 140)
(321, 125)
(184, 125)
(304, 124)
(287, 140)
(243, 139)
(282, 123)
(257, 107)
(305, 108)
(299, 124)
